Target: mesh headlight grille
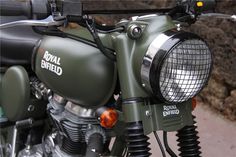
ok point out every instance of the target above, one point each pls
(176, 66)
(185, 71)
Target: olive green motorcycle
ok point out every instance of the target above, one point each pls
(98, 90)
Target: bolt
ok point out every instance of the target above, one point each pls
(53, 135)
(192, 16)
(38, 95)
(31, 108)
(148, 113)
(178, 27)
(135, 31)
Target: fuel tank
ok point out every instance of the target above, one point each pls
(75, 70)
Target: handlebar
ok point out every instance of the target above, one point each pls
(30, 8)
(15, 8)
(72, 11)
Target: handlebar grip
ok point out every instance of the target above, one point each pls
(16, 8)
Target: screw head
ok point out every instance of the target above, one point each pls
(178, 27)
(31, 108)
(148, 113)
(38, 95)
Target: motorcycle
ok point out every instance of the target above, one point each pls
(69, 92)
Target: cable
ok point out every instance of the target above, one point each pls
(168, 149)
(160, 144)
(120, 29)
(93, 31)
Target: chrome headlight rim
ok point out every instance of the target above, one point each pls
(155, 56)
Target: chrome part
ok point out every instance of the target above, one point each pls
(31, 108)
(54, 107)
(38, 89)
(178, 27)
(56, 104)
(134, 18)
(146, 16)
(50, 145)
(135, 31)
(79, 111)
(233, 17)
(35, 151)
(49, 21)
(60, 100)
(13, 149)
(148, 113)
(149, 57)
(219, 15)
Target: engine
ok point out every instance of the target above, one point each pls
(73, 127)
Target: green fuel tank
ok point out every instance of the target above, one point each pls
(75, 70)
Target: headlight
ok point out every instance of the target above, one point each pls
(176, 66)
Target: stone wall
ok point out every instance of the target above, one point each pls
(220, 34)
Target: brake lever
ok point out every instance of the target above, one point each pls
(219, 15)
(49, 21)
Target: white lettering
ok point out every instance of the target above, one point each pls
(50, 63)
(170, 110)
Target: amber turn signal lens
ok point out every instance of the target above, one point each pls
(200, 4)
(108, 118)
(194, 103)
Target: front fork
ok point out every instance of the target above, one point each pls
(132, 94)
(139, 121)
(188, 141)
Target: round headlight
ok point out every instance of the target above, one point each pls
(176, 66)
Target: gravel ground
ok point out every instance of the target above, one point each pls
(217, 135)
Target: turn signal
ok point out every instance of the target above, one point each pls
(194, 103)
(200, 4)
(107, 116)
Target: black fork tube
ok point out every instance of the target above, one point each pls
(137, 142)
(188, 141)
